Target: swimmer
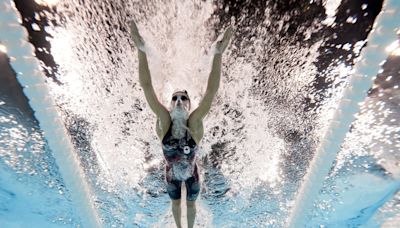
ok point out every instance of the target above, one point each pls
(180, 131)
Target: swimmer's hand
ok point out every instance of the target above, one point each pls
(222, 41)
(136, 37)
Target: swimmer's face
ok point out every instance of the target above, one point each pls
(180, 99)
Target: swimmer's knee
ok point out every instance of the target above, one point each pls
(190, 203)
(176, 202)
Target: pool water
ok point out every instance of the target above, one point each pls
(283, 76)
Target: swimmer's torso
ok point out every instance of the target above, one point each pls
(180, 156)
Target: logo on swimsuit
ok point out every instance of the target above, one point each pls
(186, 150)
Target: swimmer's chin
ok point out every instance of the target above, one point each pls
(179, 113)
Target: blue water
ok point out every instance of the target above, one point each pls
(283, 75)
(32, 190)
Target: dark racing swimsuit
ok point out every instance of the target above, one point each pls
(181, 166)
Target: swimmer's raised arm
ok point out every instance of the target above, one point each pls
(197, 116)
(163, 117)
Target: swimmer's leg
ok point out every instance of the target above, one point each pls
(176, 211)
(174, 192)
(191, 212)
(192, 189)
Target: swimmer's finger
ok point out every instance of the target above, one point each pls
(228, 33)
(134, 31)
(133, 27)
(136, 37)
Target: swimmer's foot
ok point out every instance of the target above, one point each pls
(222, 42)
(136, 37)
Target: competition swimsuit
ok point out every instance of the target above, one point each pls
(181, 166)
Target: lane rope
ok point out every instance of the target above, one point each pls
(382, 35)
(14, 38)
